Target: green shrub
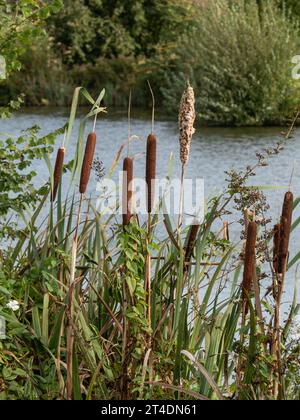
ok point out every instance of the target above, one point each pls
(44, 80)
(239, 60)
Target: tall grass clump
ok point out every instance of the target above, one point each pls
(237, 55)
(100, 307)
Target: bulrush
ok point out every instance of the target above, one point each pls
(127, 190)
(276, 246)
(191, 243)
(187, 116)
(87, 162)
(249, 267)
(58, 171)
(151, 170)
(286, 225)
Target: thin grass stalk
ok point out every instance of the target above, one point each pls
(181, 198)
(125, 338)
(127, 190)
(58, 169)
(70, 308)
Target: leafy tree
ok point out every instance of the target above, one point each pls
(87, 30)
(20, 23)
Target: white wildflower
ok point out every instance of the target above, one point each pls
(13, 305)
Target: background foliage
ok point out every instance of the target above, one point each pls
(240, 58)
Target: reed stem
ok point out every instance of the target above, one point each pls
(180, 217)
(70, 307)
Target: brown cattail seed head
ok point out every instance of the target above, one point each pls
(187, 116)
(249, 267)
(127, 190)
(58, 171)
(151, 170)
(276, 246)
(286, 226)
(191, 242)
(87, 162)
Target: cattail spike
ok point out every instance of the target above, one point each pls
(187, 116)
(191, 243)
(87, 162)
(151, 170)
(286, 225)
(58, 169)
(249, 267)
(276, 247)
(127, 190)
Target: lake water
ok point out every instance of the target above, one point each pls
(214, 151)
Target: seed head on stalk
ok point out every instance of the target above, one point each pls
(286, 225)
(58, 169)
(187, 116)
(276, 247)
(87, 162)
(151, 170)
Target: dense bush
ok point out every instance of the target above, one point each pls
(44, 79)
(93, 44)
(21, 25)
(240, 62)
